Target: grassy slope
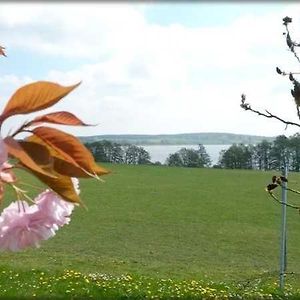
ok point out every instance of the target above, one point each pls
(171, 222)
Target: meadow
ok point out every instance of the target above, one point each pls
(161, 232)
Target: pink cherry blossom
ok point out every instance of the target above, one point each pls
(6, 175)
(3, 152)
(20, 227)
(23, 226)
(55, 211)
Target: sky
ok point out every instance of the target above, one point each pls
(154, 68)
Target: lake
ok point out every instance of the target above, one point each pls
(161, 152)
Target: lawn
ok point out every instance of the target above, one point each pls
(167, 223)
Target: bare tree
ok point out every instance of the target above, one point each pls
(292, 45)
(295, 92)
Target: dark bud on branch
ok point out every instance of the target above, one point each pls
(244, 105)
(296, 92)
(289, 42)
(278, 71)
(271, 186)
(291, 77)
(287, 20)
(283, 179)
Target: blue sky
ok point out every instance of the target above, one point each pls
(195, 14)
(150, 68)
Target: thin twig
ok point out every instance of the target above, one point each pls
(269, 115)
(286, 204)
(291, 190)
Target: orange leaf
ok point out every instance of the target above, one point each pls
(16, 150)
(37, 152)
(35, 96)
(60, 117)
(59, 164)
(68, 169)
(61, 184)
(2, 51)
(70, 149)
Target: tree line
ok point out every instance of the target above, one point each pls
(262, 156)
(107, 151)
(112, 152)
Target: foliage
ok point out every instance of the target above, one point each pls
(107, 151)
(135, 155)
(53, 156)
(264, 156)
(48, 152)
(236, 157)
(188, 157)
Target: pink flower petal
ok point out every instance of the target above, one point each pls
(23, 226)
(7, 176)
(54, 209)
(19, 228)
(3, 152)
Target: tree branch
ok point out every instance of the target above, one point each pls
(290, 43)
(247, 106)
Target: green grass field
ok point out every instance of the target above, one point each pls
(170, 223)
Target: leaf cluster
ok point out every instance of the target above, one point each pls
(50, 154)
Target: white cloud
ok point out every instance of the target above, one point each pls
(148, 78)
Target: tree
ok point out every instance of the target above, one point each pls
(106, 151)
(262, 158)
(191, 158)
(295, 92)
(236, 157)
(205, 160)
(280, 153)
(174, 160)
(135, 155)
(143, 156)
(294, 146)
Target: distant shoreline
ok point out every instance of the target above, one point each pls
(212, 138)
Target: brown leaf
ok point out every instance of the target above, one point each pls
(69, 149)
(60, 117)
(35, 96)
(60, 184)
(16, 150)
(59, 164)
(2, 51)
(68, 169)
(39, 153)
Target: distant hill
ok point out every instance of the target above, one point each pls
(207, 138)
